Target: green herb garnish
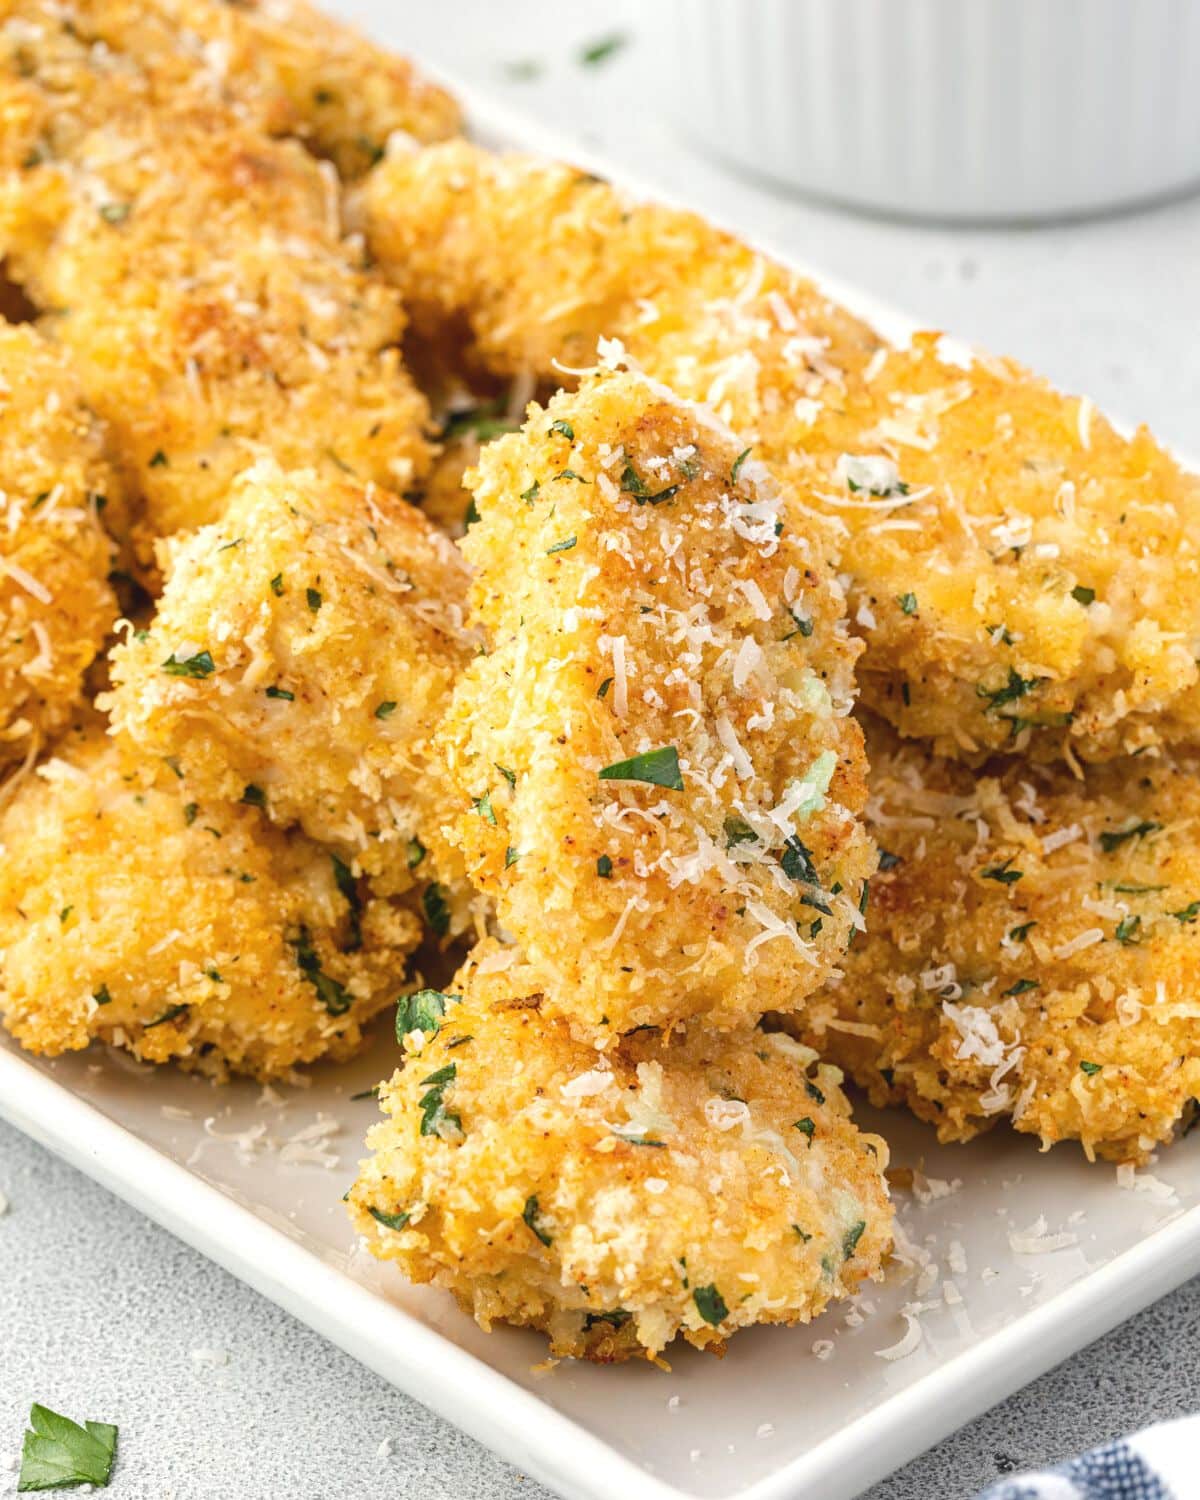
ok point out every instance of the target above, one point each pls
(200, 665)
(656, 767)
(421, 1011)
(57, 1453)
(710, 1305)
(533, 1219)
(398, 1220)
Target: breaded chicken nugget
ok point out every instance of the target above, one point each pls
(653, 771)
(284, 65)
(181, 929)
(1024, 577)
(302, 652)
(1031, 951)
(56, 604)
(688, 1186)
(197, 273)
(538, 261)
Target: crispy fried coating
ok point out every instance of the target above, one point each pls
(302, 652)
(538, 261)
(56, 604)
(284, 65)
(684, 1187)
(653, 771)
(1031, 950)
(1025, 578)
(182, 930)
(197, 273)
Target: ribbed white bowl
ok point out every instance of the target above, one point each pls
(954, 109)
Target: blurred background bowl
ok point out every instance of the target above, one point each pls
(978, 110)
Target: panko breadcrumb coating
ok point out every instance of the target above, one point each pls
(536, 262)
(197, 273)
(653, 770)
(180, 929)
(302, 652)
(1031, 950)
(284, 64)
(56, 603)
(689, 1186)
(1024, 577)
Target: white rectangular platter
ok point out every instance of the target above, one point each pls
(254, 1179)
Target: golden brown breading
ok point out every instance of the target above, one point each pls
(654, 771)
(285, 65)
(302, 652)
(197, 272)
(538, 261)
(181, 930)
(1025, 578)
(1022, 576)
(56, 604)
(693, 1186)
(1030, 951)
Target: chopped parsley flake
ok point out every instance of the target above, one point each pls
(1019, 934)
(1090, 1068)
(805, 1127)
(1187, 913)
(1082, 595)
(58, 1453)
(851, 1238)
(735, 472)
(888, 861)
(907, 603)
(1015, 687)
(602, 690)
(435, 1118)
(437, 912)
(172, 1013)
(633, 484)
(511, 855)
(710, 1305)
(398, 1220)
(656, 767)
(348, 889)
(386, 709)
(313, 596)
(531, 494)
(421, 1011)
(1111, 841)
(1003, 874)
(483, 806)
(533, 1219)
(604, 867)
(564, 428)
(330, 993)
(509, 776)
(278, 692)
(797, 862)
(115, 213)
(1127, 931)
(1022, 987)
(158, 460)
(564, 546)
(254, 796)
(277, 585)
(416, 853)
(601, 50)
(200, 665)
(102, 996)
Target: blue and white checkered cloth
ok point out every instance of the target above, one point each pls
(1162, 1463)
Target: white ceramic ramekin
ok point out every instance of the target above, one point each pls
(951, 109)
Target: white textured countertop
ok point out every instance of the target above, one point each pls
(216, 1391)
